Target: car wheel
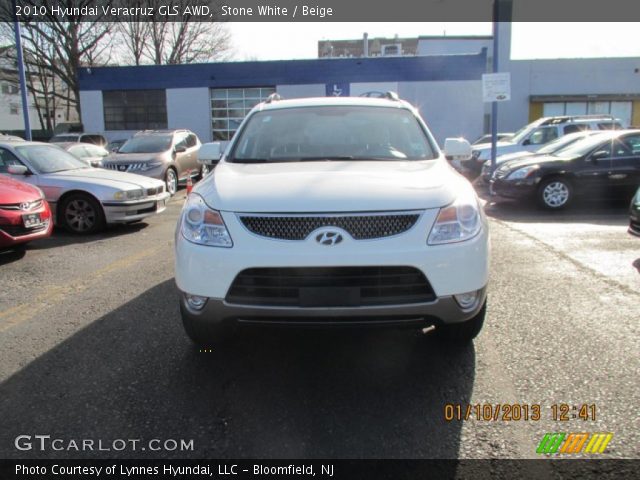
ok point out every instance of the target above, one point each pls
(203, 335)
(555, 193)
(204, 170)
(171, 179)
(465, 332)
(81, 214)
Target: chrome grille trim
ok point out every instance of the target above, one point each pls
(360, 225)
(16, 206)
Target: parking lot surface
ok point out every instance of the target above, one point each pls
(93, 348)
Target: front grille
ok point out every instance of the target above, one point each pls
(360, 227)
(120, 167)
(19, 230)
(18, 206)
(330, 287)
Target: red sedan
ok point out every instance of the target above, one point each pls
(24, 214)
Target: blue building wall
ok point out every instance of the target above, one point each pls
(446, 88)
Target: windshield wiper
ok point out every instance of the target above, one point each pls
(325, 158)
(249, 160)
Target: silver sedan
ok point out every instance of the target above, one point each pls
(82, 199)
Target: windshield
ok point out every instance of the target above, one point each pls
(584, 146)
(561, 143)
(147, 144)
(49, 159)
(521, 134)
(332, 133)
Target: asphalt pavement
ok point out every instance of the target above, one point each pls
(93, 348)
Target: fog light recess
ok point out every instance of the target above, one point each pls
(195, 302)
(467, 300)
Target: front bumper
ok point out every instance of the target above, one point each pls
(450, 269)
(513, 189)
(634, 225)
(124, 212)
(442, 311)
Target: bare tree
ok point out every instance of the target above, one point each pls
(159, 40)
(61, 48)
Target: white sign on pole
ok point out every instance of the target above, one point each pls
(496, 87)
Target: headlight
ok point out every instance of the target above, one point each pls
(203, 225)
(457, 222)
(149, 165)
(522, 173)
(128, 194)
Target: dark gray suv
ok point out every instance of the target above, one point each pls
(169, 155)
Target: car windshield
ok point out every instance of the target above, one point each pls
(49, 158)
(146, 144)
(584, 146)
(521, 134)
(326, 133)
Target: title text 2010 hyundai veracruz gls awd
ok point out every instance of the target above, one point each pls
(333, 212)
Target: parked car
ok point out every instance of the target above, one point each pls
(82, 199)
(24, 213)
(548, 149)
(634, 214)
(539, 133)
(10, 138)
(487, 138)
(92, 155)
(170, 155)
(333, 211)
(605, 165)
(114, 145)
(93, 138)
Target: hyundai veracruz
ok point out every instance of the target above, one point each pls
(332, 211)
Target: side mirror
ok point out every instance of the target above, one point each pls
(526, 142)
(180, 149)
(17, 170)
(600, 154)
(457, 149)
(210, 153)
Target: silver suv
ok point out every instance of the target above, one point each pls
(169, 155)
(538, 133)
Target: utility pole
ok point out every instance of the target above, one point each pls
(494, 104)
(21, 75)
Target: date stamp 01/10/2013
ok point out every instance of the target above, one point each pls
(515, 412)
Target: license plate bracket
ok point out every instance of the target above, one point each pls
(329, 297)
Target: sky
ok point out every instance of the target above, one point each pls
(291, 40)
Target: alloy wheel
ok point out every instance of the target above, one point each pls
(555, 194)
(80, 215)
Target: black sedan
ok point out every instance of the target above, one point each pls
(634, 215)
(606, 165)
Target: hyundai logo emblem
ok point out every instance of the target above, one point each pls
(25, 206)
(328, 238)
(122, 168)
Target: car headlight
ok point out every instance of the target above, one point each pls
(128, 194)
(521, 173)
(203, 225)
(149, 165)
(457, 222)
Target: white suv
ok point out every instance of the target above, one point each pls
(333, 211)
(536, 134)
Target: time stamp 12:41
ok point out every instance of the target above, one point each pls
(515, 412)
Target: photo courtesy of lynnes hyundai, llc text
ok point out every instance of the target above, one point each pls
(333, 212)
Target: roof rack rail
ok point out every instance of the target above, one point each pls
(274, 97)
(392, 96)
(569, 118)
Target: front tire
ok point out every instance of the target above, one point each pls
(555, 193)
(464, 332)
(203, 335)
(171, 179)
(81, 214)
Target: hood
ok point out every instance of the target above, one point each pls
(106, 178)
(484, 149)
(339, 186)
(487, 146)
(14, 191)
(513, 156)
